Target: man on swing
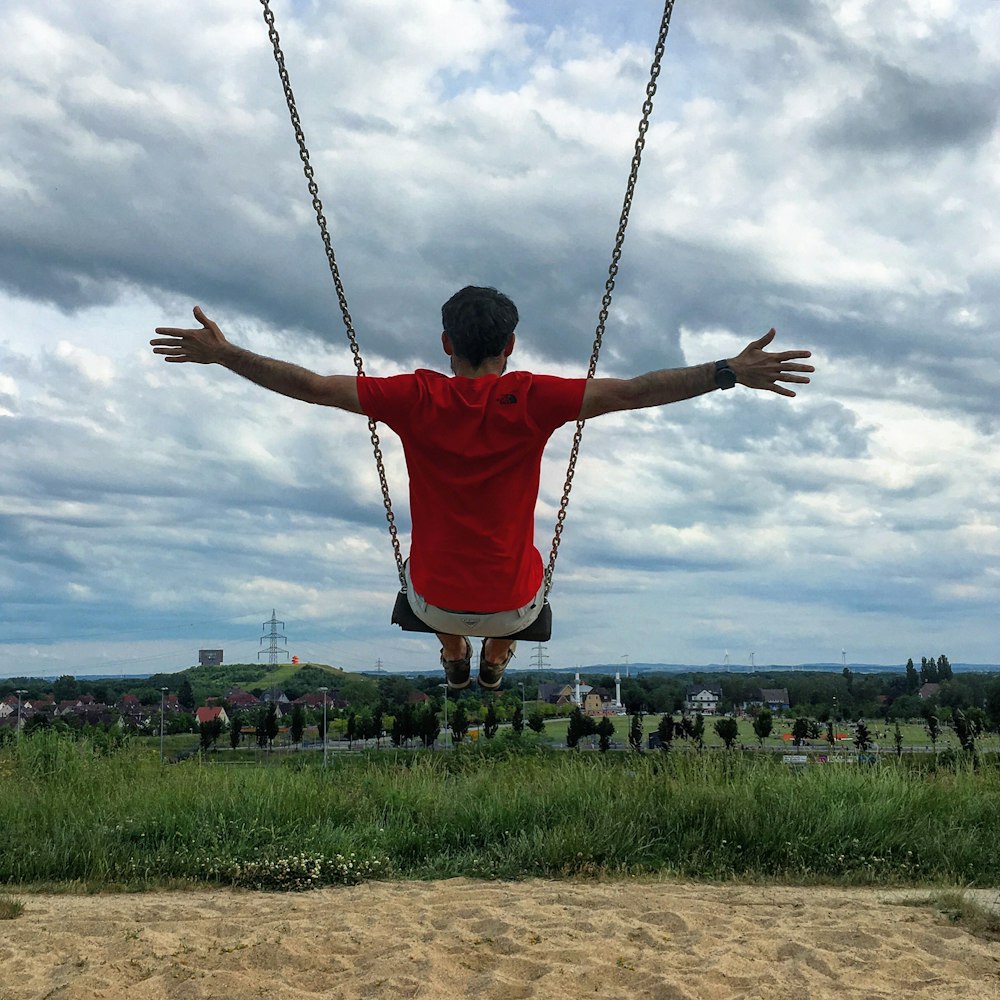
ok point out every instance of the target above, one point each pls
(473, 444)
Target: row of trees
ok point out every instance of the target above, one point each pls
(823, 696)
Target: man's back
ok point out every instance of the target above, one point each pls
(473, 449)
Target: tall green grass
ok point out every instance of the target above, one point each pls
(70, 815)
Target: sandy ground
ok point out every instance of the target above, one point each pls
(496, 941)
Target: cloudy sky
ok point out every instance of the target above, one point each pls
(828, 167)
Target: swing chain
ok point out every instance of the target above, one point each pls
(307, 169)
(609, 285)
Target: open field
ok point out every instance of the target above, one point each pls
(914, 737)
(71, 816)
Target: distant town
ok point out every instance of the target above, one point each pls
(257, 703)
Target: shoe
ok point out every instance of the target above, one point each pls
(458, 672)
(491, 674)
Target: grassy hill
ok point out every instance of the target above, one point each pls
(258, 678)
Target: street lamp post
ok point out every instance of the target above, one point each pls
(20, 691)
(163, 699)
(325, 738)
(445, 737)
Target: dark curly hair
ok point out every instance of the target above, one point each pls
(479, 322)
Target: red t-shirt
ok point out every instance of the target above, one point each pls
(473, 451)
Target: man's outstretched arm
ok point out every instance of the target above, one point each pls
(754, 367)
(208, 346)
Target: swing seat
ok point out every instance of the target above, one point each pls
(540, 630)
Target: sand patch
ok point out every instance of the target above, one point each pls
(495, 941)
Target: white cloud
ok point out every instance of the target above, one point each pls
(828, 168)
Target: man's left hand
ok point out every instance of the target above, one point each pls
(759, 369)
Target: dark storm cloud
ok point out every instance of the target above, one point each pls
(826, 429)
(900, 111)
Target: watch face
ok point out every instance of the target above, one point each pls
(725, 378)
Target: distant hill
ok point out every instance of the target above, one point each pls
(263, 676)
(758, 668)
(293, 679)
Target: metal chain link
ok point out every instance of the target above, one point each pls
(609, 285)
(307, 169)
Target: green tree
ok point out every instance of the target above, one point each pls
(459, 723)
(363, 725)
(944, 670)
(351, 731)
(697, 731)
(977, 719)
(906, 706)
(262, 727)
(635, 732)
(831, 735)
(185, 695)
(271, 723)
(321, 725)
(728, 730)
(800, 730)
(180, 723)
(65, 688)
(575, 729)
(394, 690)
(912, 677)
(428, 725)
(933, 728)
(633, 696)
(209, 731)
(517, 720)
(490, 723)
(665, 730)
(404, 726)
(848, 676)
(993, 705)
(235, 731)
(898, 740)
(862, 736)
(763, 723)
(605, 730)
(298, 726)
(928, 670)
(396, 731)
(536, 722)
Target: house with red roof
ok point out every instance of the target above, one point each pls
(238, 698)
(209, 712)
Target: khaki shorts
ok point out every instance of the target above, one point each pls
(490, 625)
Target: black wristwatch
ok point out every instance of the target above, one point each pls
(725, 377)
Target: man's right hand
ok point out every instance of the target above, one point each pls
(207, 346)
(204, 346)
